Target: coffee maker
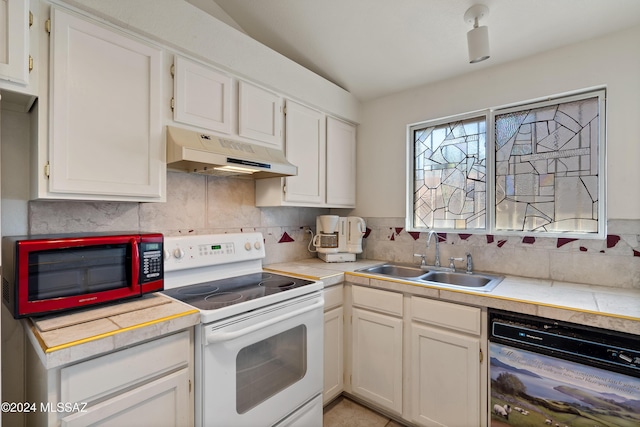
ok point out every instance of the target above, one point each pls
(338, 239)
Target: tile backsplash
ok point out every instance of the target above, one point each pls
(195, 204)
(612, 262)
(199, 204)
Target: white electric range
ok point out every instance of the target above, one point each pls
(258, 349)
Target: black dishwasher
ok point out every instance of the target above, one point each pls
(547, 372)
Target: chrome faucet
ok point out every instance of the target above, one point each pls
(437, 260)
(469, 263)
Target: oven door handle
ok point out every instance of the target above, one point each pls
(213, 338)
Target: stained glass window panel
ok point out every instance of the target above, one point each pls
(450, 175)
(547, 168)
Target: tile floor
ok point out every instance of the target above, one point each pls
(344, 412)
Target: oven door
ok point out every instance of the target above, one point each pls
(262, 366)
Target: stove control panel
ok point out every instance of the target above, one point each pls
(217, 249)
(212, 249)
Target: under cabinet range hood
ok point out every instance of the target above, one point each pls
(196, 152)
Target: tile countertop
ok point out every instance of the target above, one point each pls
(600, 306)
(70, 337)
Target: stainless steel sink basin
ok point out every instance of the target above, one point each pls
(395, 270)
(448, 279)
(451, 278)
(478, 282)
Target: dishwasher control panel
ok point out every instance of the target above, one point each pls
(566, 340)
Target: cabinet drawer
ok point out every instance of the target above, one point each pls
(332, 297)
(105, 375)
(453, 316)
(375, 299)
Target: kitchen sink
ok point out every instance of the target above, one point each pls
(482, 282)
(395, 270)
(448, 279)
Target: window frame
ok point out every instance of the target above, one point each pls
(490, 212)
(409, 217)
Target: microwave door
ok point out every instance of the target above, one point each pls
(85, 273)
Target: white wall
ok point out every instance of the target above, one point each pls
(613, 60)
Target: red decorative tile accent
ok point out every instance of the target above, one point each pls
(583, 249)
(414, 234)
(501, 243)
(464, 236)
(286, 238)
(612, 240)
(442, 237)
(489, 238)
(563, 241)
(636, 253)
(367, 232)
(393, 237)
(529, 240)
(399, 229)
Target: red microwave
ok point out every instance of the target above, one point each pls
(47, 274)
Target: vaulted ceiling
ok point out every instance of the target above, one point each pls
(376, 47)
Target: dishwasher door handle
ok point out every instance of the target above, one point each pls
(215, 337)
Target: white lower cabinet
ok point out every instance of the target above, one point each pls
(333, 343)
(446, 363)
(376, 347)
(143, 385)
(417, 358)
(164, 402)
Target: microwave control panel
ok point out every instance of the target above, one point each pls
(151, 262)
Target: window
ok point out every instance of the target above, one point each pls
(449, 174)
(535, 168)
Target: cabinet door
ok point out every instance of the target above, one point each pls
(163, 402)
(377, 358)
(305, 148)
(105, 113)
(333, 353)
(259, 114)
(341, 163)
(14, 40)
(445, 372)
(202, 96)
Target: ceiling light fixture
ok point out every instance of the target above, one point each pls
(477, 37)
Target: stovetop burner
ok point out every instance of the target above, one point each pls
(234, 290)
(193, 290)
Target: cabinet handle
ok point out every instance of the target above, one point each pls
(30, 19)
(30, 63)
(481, 356)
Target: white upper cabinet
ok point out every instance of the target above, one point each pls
(202, 96)
(105, 132)
(14, 41)
(259, 114)
(341, 163)
(305, 135)
(324, 150)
